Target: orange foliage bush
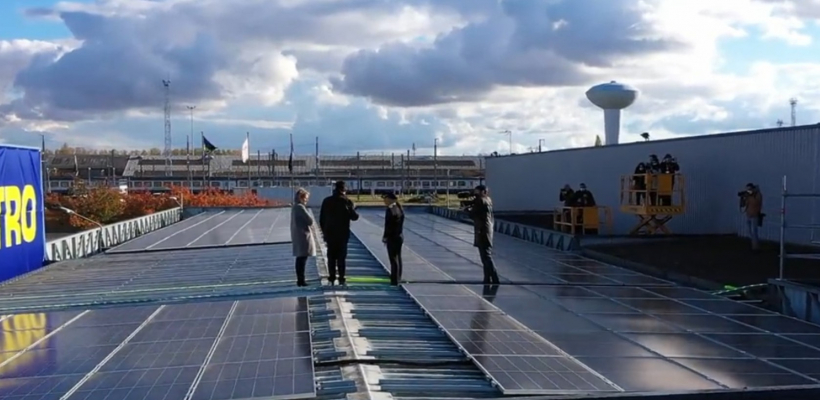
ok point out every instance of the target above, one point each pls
(107, 205)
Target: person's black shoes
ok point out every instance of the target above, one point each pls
(301, 284)
(342, 281)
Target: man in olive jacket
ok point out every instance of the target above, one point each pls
(334, 218)
(481, 212)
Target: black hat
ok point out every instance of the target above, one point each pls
(391, 196)
(339, 186)
(481, 188)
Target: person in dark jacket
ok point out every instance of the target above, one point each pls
(393, 236)
(334, 218)
(566, 196)
(669, 165)
(583, 197)
(639, 182)
(481, 212)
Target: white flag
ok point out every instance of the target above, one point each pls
(245, 150)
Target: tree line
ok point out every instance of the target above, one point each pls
(65, 149)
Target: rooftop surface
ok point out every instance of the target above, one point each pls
(211, 311)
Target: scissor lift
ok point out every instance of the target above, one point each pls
(662, 199)
(583, 220)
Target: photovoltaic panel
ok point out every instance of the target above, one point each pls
(142, 384)
(261, 354)
(55, 361)
(195, 311)
(291, 378)
(114, 316)
(453, 303)
(243, 349)
(159, 355)
(492, 320)
(267, 324)
(217, 228)
(271, 306)
(42, 388)
(163, 331)
(480, 342)
(638, 334)
(534, 374)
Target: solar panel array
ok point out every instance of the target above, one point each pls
(153, 275)
(217, 228)
(637, 332)
(215, 351)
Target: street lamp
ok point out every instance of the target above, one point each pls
(540, 141)
(83, 217)
(509, 135)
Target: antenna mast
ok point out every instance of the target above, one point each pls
(779, 123)
(793, 104)
(167, 151)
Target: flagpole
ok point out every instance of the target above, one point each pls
(248, 141)
(290, 167)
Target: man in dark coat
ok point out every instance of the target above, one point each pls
(639, 182)
(481, 212)
(334, 218)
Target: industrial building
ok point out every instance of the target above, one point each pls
(715, 168)
(366, 173)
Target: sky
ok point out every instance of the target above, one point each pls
(382, 75)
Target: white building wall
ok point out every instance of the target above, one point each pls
(715, 167)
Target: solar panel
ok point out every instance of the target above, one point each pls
(143, 384)
(217, 228)
(261, 354)
(135, 276)
(536, 374)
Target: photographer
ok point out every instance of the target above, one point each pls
(751, 203)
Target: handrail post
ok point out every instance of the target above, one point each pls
(782, 257)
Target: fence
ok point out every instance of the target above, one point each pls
(96, 240)
(785, 225)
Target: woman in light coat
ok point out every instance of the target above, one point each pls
(301, 224)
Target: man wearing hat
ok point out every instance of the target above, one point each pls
(481, 212)
(334, 218)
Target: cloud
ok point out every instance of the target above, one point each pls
(370, 74)
(520, 43)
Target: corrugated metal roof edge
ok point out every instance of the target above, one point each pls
(698, 137)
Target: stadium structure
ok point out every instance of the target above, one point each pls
(363, 173)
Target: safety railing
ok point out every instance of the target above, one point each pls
(96, 240)
(646, 191)
(583, 220)
(784, 225)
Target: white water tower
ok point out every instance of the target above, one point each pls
(612, 97)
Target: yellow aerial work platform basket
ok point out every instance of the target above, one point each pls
(655, 199)
(583, 220)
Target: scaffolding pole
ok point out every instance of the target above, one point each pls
(785, 196)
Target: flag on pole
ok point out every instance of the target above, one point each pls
(207, 146)
(246, 148)
(290, 158)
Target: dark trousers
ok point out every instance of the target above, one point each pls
(665, 200)
(490, 273)
(301, 263)
(394, 254)
(336, 261)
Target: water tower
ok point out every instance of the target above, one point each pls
(612, 97)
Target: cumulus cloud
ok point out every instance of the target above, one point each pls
(519, 43)
(364, 74)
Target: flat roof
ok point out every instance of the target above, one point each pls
(207, 323)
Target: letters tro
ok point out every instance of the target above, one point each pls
(19, 222)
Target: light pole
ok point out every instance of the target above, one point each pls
(190, 144)
(540, 141)
(509, 135)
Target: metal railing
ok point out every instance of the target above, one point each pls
(785, 225)
(96, 240)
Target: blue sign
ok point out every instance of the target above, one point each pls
(22, 212)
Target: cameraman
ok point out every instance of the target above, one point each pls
(751, 202)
